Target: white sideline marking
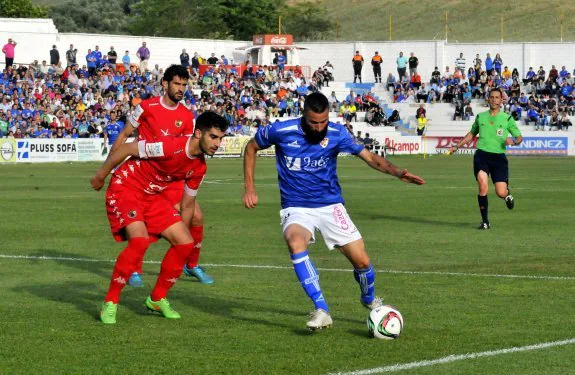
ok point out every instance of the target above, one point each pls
(457, 357)
(438, 273)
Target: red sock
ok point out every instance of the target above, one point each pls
(125, 265)
(171, 269)
(197, 233)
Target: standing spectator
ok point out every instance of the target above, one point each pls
(488, 64)
(143, 54)
(477, 65)
(71, 56)
(376, 63)
(401, 66)
(282, 60)
(185, 59)
(195, 63)
(357, 62)
(413, 63)
(224, 60)
(460, 63)
(112, 58)
(497, 64)
(54, 56)
(213, 60)
(126, 61)
(98, 55)
(8, 51)
(91, 63)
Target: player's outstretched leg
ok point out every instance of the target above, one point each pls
(365, 277)
(125, 264)
(309, 280)
(197, 231)
(171, 269)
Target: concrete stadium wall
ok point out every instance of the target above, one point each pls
(35, 38)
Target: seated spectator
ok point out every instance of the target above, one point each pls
(415, 81)
(420, 112)
(369, 142)
(390, 82)
(565, 122)
(333, 102)
(543, 120)
(348, 111)
(468, 112)
(459, 111)
(532, 116)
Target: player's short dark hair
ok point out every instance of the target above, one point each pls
(496, 89)
(209, 119)
(316, 102)
(176, 71)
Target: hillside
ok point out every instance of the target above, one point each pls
(468, 20)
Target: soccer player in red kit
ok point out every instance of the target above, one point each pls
(138, 210)
(154, 119)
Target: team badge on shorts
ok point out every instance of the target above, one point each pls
(324, 142)
(132, 214)
(179, 123)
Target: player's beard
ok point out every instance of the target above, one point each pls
(311, 135)
(174, 96)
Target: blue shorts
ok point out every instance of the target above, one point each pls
(493, 164)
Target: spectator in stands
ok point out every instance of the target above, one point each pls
(415, 80)
(506, 73)
(9, 52)
(348, 111)
(54, 56)
(468, 112)
(401, 62)
(376, 61)
(143, 53)
(422, 94)
(529, 76)
(488, 64)
(71, 56)
(195, 63)
(126, 61)
(543, 120)
(213, 60)
(459, 111)
(413, 63)
(555, 121)
(477, 62)
(435, 76)
(333, 102)
(112, 58)
(497, 63)
(224, 60)
(390, 82)
(460, 63)
(91, 61)
(565, 122)
(369, 142)
(421, 111)
(357, 63)
(553, 73)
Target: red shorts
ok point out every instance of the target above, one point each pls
(174, 192)
(125, 206)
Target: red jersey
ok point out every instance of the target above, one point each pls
(161, 163)
(155, 120)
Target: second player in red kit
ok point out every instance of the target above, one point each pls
(155, 119)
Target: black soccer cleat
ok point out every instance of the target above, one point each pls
(484, 226)
(509, 201)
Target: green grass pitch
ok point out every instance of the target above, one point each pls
(446, 277)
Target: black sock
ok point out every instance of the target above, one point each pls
(483, 206)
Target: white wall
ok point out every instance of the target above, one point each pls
(35, 38)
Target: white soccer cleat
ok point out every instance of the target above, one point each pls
(377, 302)
(319, 319)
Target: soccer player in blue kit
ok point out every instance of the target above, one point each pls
(112, 130)
(306, 158)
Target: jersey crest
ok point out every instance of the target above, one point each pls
(324, 142)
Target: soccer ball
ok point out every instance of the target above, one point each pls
(385, 322)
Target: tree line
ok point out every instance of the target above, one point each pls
(217, 19)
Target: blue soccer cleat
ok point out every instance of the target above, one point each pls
(135, 280)
(199, 273)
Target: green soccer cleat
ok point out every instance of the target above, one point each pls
(163, 307)
(108, 312)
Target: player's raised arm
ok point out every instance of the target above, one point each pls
(113, 160)
(250, 153)
(381, 164)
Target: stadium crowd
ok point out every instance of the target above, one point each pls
(547, 99)
(41, 100)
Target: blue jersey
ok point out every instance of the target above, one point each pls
(307, 173)
(113, 130)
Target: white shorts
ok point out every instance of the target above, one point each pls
(332, 221)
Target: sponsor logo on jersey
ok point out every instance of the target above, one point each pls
(294, 144)
(293, 164)
(155, 149)
(165, 132)
(324, 142)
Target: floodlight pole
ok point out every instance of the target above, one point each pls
(446, 27)
(390, 27)
(502, 28)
